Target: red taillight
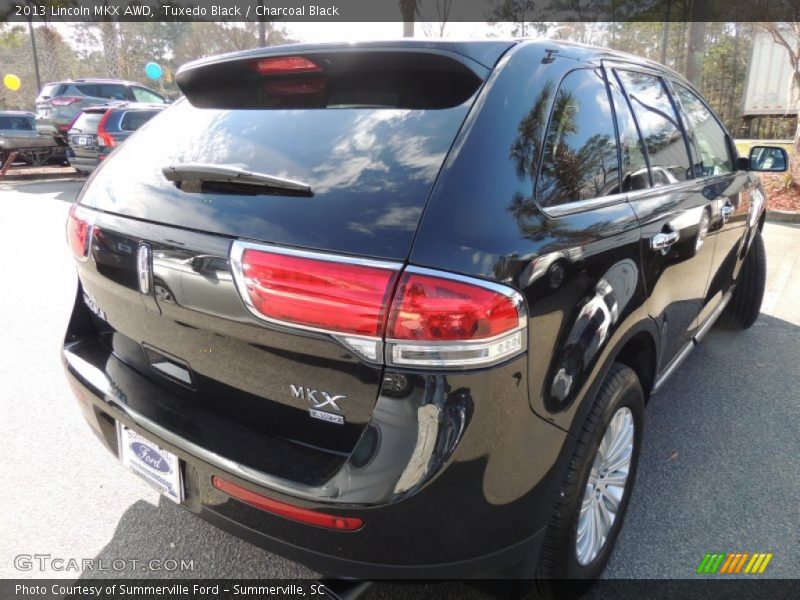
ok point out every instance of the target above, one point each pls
(71, 123)
(64, 100)
(285, 64)
(431, 308)
(289, 511)
(334, 296)
(78, 232)
(433, 319)
(103, 137)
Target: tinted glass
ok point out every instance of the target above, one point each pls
(580, 149)
(48, 91)
(87, 122)
(371, 171)
(113, 91)
(635, 175)
(16, 123)
(84, 89)
(707, 135)
(658, 122)
(132, 120)
(144, 95)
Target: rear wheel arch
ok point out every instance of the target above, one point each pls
(639, 353)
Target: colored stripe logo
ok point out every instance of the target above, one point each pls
(732, 563)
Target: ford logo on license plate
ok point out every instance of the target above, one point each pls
(150, 457)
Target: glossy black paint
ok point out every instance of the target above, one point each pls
(454, 473)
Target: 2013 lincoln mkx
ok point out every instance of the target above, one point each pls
(396, 309)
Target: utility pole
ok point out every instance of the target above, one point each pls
(665, 35)
(262, 33)
(262, 30)
(35, 57)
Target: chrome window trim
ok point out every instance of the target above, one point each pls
(569, 208)
(576, 206)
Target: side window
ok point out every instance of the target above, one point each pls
(80, 90)
(635, 175)
(133, 120)
(112, 91)
(708, 135)
(144, 95)
(658, 122)
(580, 149)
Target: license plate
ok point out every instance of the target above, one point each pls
(81, 140)
(159, 467)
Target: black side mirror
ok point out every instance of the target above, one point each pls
(771, 159)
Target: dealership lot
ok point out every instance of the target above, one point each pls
(720, 468)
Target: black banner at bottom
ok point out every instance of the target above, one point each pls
(251, 589)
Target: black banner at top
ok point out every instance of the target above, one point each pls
(390, 10)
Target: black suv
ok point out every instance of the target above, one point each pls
(59, 103)
(98, 130)
(395, 309)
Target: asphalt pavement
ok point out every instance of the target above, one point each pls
(720, 469)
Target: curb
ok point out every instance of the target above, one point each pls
(783, 216)
(36, 177)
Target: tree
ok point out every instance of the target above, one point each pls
(409, 9)
(787, 35)
(518, 12)
(441, 15)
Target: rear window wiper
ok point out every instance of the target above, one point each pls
(202, 177)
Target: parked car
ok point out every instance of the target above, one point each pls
(97, 130)
(396, 309)
(59, 103)
(18, 133)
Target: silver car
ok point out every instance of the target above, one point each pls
(59, 103)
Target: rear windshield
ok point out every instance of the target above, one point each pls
(87, 122)
(48, 91)
(132, 120)
(17, 123)
(370, 170)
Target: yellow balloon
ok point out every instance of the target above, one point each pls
(12, 82)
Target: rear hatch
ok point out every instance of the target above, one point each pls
(365, 129)
(82, 135)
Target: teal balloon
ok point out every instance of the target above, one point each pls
(153, 70)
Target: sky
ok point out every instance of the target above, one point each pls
(358, 32)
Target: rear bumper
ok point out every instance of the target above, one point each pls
(82, 164)
(476, 508)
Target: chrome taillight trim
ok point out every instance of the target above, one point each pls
(369, 348)
(392, 352)
(445, 354)
(88, 215)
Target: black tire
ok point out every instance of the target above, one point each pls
(558, 559)
(745, 305)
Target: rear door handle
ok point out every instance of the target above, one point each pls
(726, 211)
(662, 241)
